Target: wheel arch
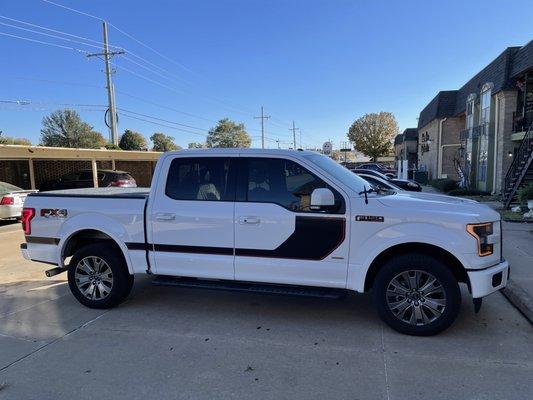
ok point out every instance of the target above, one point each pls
(451, 261)
(81, 237)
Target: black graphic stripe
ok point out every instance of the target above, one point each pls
(314, 238)
(42, 240)
(172, 248)
(227, 251)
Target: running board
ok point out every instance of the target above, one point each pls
(236, 286)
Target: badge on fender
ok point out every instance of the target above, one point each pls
(369, 218)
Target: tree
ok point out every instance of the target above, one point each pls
(373, 133)
(195, 145)
(13, 140)
(163, 142)
(131, 140)
(228, 134)
(64, 128)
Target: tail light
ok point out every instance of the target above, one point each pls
(26, 217)
(122, 182)
(7, 201)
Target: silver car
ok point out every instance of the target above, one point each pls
(11, 200)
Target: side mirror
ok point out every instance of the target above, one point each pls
(322, 199)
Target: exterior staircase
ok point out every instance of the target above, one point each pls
(520, 172)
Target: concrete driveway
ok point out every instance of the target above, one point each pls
(173, 343)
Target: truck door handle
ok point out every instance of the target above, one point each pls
(165, 216)
(249, 220)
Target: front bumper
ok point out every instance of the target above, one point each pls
(486, 281)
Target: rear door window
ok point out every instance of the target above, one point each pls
(201, 178)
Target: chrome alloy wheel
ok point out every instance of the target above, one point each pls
(94, 278)
(416, 297)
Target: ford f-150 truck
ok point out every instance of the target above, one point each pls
(275, 221)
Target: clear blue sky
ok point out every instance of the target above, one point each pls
(321, 63)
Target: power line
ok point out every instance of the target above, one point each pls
(161, 119)
(42, 42)
(165, 125)
(121, 31)
(73, 10)
(54, 30)
(48, 34)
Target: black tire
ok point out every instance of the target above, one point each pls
(121, 280)
(390, 280)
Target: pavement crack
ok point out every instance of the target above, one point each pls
(387, 387)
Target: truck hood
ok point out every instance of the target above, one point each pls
(439, 203)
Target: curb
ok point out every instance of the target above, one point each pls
(519, 298)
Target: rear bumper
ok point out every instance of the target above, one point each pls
(486, 281)
(10, 211)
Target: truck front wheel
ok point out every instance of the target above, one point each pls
(416, 294)
(98, 277)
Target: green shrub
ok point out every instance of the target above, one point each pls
(467, 192)
(444, 185)
(525, 193)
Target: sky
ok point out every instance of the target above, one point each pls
(191, 63)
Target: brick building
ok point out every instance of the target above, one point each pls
(473, 133)
(29, 166)
(406, 147)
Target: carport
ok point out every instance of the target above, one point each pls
(28, 166)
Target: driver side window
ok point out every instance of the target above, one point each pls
(283, 182)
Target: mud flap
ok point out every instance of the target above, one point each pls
(477, 304)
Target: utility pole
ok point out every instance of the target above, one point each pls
(109, 84)
(294, 129)
(277, 141)
(262, 118)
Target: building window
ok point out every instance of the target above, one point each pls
(484, 120)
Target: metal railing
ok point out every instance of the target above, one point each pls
(517, 169)
(520, 122)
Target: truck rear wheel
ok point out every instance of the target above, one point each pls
(98, 277)
(417, 294)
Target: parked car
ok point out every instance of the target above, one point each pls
(84, 179)
(390, 172)
(405, 184)
(379, 183)
(11, 200)
(271, 221)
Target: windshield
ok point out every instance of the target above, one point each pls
(343, 174)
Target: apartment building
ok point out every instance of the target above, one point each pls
(475, 133)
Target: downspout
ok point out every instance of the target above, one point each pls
(496, 128)
(439, 149)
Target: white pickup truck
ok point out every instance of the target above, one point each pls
(276, 221)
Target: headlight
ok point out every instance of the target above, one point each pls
(411, 184)
(481, 232)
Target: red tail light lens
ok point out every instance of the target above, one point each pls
(26, 217)
(122, 182)
(7, 201)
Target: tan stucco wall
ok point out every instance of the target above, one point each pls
(429, 158)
